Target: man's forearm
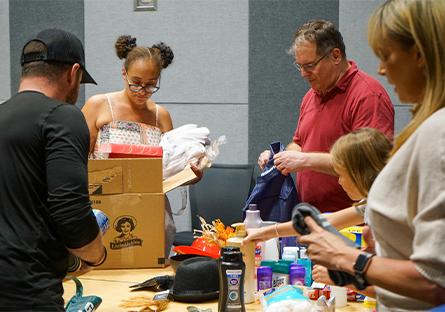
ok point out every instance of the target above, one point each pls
(93, 252)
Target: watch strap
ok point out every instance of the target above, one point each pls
(360, 266)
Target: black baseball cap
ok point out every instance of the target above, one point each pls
(62, 47)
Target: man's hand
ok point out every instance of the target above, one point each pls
(263, 159)
(290, 161)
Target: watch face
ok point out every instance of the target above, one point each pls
(361, 262)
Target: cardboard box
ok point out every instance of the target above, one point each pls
(131, 193)
(132, 175)
(136, 236)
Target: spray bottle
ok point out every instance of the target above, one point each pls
(248, 251)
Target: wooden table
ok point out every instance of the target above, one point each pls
(113, 286)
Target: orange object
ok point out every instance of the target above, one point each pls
(200, 246)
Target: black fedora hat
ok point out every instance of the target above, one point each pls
(196, 280)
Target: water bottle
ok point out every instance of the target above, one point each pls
(231, 280)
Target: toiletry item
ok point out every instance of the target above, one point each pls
(264, 278)
(231, 280)
(253, 221)
(296, 274)
(248, 252)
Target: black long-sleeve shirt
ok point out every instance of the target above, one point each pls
(44, 203)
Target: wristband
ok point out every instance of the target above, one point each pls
(276, 230)
(100, 262)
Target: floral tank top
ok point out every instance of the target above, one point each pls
(125, 132)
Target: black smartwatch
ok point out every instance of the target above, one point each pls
(360, 266)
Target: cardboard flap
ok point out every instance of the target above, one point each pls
(179, 179)
(125, 175)
(105, 181)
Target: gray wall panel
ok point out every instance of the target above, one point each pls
(275, 87)
(27, 18)
(209, 39)
(221, 119)
(355, 34)
(5, 74)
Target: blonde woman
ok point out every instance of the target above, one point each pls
(406, 203)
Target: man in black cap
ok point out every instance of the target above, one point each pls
(45, 211)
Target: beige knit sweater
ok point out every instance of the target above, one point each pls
(406, 207)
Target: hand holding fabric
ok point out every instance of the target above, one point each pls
(289, 161)
(263, 159)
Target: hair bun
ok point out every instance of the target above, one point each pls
(124, 44)
(166, 53)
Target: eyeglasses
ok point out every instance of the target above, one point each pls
(310, 66)
(134, 87)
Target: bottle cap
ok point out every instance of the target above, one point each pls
(253, 207)
(231, 254)
(240, 229)
(297, 269)
(264, 271)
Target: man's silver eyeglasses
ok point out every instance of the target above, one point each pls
(134, 87)
(310, 66)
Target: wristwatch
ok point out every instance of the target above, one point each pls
(361, 264)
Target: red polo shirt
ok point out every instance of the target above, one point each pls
(357, 101)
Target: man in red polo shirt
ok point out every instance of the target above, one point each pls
(342, 98)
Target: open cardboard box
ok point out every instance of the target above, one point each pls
(131, 192)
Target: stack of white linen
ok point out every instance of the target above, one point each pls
(182, 146)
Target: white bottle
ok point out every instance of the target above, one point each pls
(290, 253)
(252, 221)
(271, 246)
(248, 251)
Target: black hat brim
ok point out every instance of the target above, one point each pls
(86, 78)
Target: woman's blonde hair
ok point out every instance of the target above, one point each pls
(363, 154)
(420, 23)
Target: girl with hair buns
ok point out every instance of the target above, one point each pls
(131, 112)
(130, 116)
(406, 204)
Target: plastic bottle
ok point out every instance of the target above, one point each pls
(290, 253)
(252, 221)
(307, 264)
(248, 252)
(370, 304)
(287, 241)
(264, 278)
(231, 280)
(271, 249)
(297, 274)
